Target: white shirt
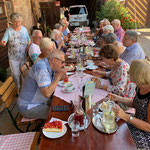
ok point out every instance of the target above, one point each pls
(34, 51)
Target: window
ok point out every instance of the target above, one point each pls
(77, 10)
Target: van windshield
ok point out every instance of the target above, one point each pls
(77, 10)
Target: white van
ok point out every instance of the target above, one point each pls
(78, 15)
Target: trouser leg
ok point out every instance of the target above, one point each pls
(15, 71)
(39, 112)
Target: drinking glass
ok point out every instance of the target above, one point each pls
(75, 125)
(95, 109)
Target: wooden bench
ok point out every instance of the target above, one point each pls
(8, 92)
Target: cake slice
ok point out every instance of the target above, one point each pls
(55, 126)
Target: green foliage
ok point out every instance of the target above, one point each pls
(3, 74)
(115, 10)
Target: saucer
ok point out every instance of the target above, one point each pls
(68, 91)
(62, 84)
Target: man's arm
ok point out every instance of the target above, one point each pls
(47, 91)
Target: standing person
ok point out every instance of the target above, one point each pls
(133, 50)
(118, 29)
(139, 124)
(66, 13)
(18, 39)
(34, 49)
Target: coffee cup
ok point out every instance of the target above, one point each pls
(69, 87)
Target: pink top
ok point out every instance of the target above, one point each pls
(120, 33)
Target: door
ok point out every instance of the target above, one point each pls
(3, 26)
(51, 11)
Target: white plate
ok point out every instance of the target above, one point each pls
(70, 68)
(91, 67)
(68, 91)
(61, 83)
(54, 135)
(71, 56)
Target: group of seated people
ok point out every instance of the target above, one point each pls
(121, 56)
(58, 36)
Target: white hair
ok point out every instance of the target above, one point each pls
(15, 16)
(63, 20)
(34, 33)
(116, 22)
(55, 53)
(109, 27)
(45, 43)
(54, 33)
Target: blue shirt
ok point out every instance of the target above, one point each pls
(133, 52)
(39, 76)
(65, 32)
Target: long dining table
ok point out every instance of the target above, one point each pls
(89, 139)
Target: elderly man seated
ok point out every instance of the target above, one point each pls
(133, 50)
(39, 85)
(34, 49)
(118, 29)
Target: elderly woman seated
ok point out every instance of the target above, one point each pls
(56, 38)
(106, 29)
(139, 124)
(46, 46)
(121, 84)
(111, 38)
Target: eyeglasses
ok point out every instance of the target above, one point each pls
(62, 61)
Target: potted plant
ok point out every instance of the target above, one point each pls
(113, 9)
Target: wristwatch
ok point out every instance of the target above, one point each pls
(130, 118)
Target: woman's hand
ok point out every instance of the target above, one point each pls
(97, 82)
(119, 112)
(3, 43)
(114, 97)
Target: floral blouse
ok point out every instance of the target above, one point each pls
(121, 84)
(18, 41)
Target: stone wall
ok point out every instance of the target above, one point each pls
(24, 8)
(29, 9)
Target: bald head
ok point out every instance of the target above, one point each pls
(37, 36)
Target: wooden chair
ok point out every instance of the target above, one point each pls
(19, 141)
(8, 92)
(147, 58)
(24, 69)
